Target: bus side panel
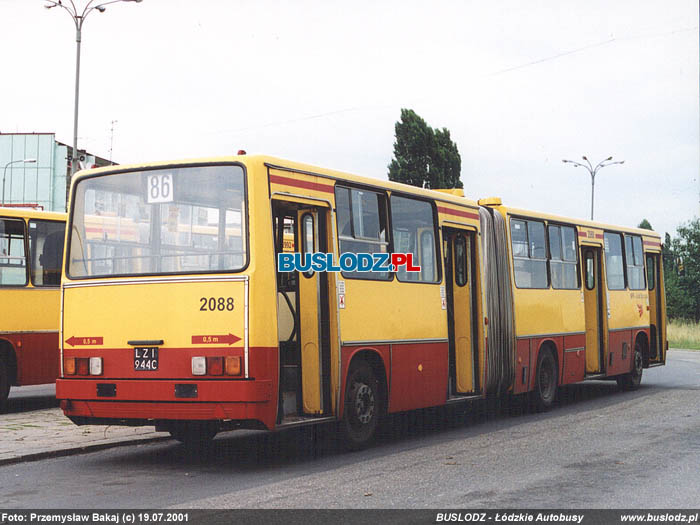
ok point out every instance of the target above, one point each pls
(574, 358)
(37, 357)
(30, 317)
(418, 376)
(522, 366)
(621, 348)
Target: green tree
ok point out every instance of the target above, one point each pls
(645, 225)
(424, 157)
(447, 162)
(683, 279)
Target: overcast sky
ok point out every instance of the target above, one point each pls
(521, 85)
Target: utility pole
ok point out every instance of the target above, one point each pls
(111, 140)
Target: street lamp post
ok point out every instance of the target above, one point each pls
(4, 173)
(78, 19)
(589, 167)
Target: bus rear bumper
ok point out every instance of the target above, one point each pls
(153, 400)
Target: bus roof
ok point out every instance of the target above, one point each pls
(32, 214)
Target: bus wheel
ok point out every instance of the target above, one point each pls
(194, 434)
(632, 380)
(545, 381)
(363, 406)
(4, 384)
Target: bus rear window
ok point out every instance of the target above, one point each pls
(164, 221)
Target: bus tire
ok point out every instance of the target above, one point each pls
(633, 379)
(194, 434)
(4, 384)
(363, 406)
(545, 381)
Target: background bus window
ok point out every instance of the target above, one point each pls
(562, 252)
(362, 227)
(413, 220)
(614, 270)
(529, 254)
(46, 249)
(634, 259)
(13, 261)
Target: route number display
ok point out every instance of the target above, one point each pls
(159, 188)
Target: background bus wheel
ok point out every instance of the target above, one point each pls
(545, 381)
(194, 434)
(363, 406)
(632, 380)
(4, 384)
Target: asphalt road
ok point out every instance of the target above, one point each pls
(35, 397)
(598, 448)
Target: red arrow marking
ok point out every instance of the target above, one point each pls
(214, 339)
(84, 341)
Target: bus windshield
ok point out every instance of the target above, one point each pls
(159, 221)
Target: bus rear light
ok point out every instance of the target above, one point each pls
(215, 366)
(95, 366)
(69, 366)
(82, 366)
(199, 366)
(233, 365)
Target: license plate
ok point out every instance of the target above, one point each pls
(146, 358)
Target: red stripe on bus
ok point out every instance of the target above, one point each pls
(652, 243)
(276, 179)
(459, 213)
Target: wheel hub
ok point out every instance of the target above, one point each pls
(364, 403)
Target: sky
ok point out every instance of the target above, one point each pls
(520, 85)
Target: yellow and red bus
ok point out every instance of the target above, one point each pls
(175, 313)
(31, 252)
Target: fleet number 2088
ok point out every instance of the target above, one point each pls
(212, 304)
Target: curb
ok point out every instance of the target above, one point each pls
(80, 450)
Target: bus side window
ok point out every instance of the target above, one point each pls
(614, 269)
(46, 250)
(362, 226)
(529, 253)
(635, 262)
(413, 230)
(13, 260)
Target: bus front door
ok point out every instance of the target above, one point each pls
(656, 308)
(595, 310)
(459, 259)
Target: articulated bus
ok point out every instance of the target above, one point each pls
(31, 252)
(177, 315)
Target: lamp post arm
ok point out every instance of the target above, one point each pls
(576, 163)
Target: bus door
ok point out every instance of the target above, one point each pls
(460, 288)
(655, 285)
(595, 307)
(303, 315)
